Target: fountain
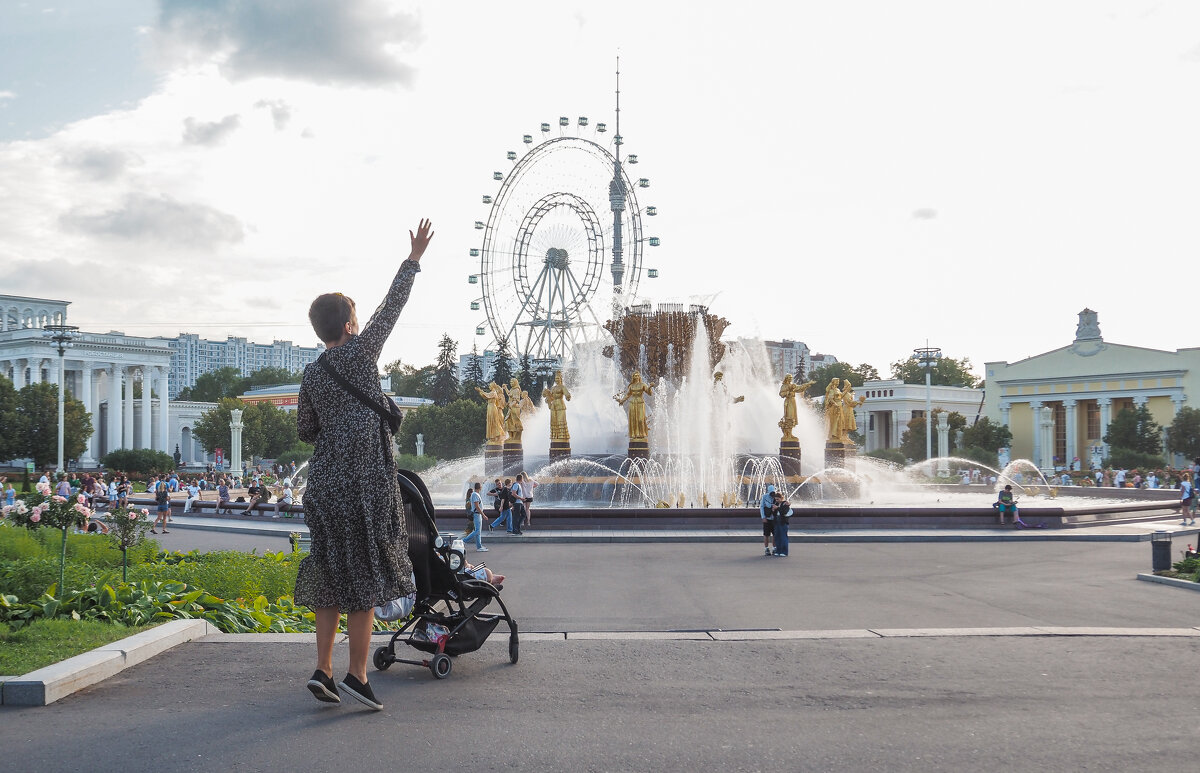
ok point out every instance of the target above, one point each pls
(703, 438)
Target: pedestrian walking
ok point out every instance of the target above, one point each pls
(475, 505)
(162, 502)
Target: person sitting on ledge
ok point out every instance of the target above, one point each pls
(1006, 504)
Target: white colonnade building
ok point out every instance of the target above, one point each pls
(101, 371)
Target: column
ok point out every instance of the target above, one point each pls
(87, 394)
(1036, 413)
(127, 410)
(19, 374)
(52, 373)
(164, 425)
(144, 441)
(113, 372)
(1047, 462)
(894, 431)
(1071, 406)
(1105, 419)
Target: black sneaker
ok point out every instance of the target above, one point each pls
(359, 691)
(323, 688)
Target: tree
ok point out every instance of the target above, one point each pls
(409, 380)
(213, 386)
(857, 374)
(451, 431)
(473, 376)
(445, 372)
(140, 460)
(37, 406)
(1183, 436)
(1135, 430)
(10, 420)
(912, 442)
(947, 372)
(263, 377)
(269, 430)
(502, 371)
(988, 436)
(527, 380)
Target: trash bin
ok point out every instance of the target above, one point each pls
(1160, 550)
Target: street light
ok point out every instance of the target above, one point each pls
(928, 358)
(61, 337)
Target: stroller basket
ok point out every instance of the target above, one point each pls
(468, 639)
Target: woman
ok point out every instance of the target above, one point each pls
(556, 398)
(635, 395)
(496, 434)
(833, 411)
(352, 505)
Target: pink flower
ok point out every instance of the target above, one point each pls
(145, 511)
(8, 509)
(43, 489)
(81, 499)
(57, 498)
(133, 516)
(35, 517)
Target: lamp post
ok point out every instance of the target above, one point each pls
(61, 337)
(928, 358)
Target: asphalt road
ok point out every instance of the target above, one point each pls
(946, 703)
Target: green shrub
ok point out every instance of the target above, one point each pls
(18, 543)
(140, 460)
(1127, 459)
(892, 455)
(415, 463)
(228, 573)
(299, 453)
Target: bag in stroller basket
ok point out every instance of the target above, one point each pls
(448, 615)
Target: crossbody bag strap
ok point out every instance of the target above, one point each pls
(362, 396)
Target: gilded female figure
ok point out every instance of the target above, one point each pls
(519, 405)
(788, 392)
(635, 395)
(849, 422)
(496, 434)
(833, 410)
(556, 397)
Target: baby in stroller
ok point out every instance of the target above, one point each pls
(448, 615)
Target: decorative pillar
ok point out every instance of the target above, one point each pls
(19, 374)
(87, 393)
(1047, 426)
(1070, 408)
(235, 440)
(1105, 420)
(164, 425)
(113, 374)
(943, 435)
(1036, 412)
(146, 408)
(894, 432)
(127, 409)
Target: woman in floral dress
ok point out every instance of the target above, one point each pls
(352, 505)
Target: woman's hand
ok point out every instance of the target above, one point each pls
(420, 241)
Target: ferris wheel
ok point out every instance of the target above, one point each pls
(563, 242)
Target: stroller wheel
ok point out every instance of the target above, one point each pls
(382, 659)
(440, 665)
(514, 648)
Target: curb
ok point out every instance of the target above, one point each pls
(1173, 581)
(46, 685)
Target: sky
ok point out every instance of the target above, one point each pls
(860, 176)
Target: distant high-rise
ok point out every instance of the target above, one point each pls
(193, 356)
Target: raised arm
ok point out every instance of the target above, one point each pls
(384, 319)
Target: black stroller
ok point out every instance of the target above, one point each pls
(448, 617)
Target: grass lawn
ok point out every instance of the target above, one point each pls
(48, 641)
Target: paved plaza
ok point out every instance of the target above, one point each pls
(666, 657)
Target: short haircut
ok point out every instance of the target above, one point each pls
(329, 314)
(478, 485)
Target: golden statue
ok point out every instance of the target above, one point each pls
(833, 411)
(556, 397)
(722, 390)
(635, 394)
(519, 405)
(788, 392)
(496, 434)
(849, 422)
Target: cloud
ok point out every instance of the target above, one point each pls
(350, 42)
(161, 219)
(281, 112)
(99, 163)
(924, 213)
(7, 95)
(209, 132)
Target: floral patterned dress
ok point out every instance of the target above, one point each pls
(352, 505)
